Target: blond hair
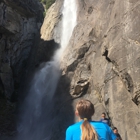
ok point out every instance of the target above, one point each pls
(85, 110)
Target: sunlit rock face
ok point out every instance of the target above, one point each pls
(50, 33)
(102, 61)
(20, 22)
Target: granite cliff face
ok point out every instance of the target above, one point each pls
(20, 23)
(102, 61)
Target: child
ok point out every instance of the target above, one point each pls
(115, 130)
(86, 129)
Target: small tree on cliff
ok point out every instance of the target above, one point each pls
(49, 3)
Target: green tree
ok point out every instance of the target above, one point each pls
(49, 3)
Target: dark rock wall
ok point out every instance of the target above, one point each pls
(20, 21)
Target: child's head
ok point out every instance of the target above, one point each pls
(103, 115)
(115, 130)
(85, 109)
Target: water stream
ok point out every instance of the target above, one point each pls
(35, 120)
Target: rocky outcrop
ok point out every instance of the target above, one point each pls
(102, 61)
(20, 23)
(51, 28)
(50, 34)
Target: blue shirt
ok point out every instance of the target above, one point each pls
(104, 132)
(106, 120)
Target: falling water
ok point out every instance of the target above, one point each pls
(68, 24)
(35, 121)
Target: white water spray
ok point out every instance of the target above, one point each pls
(35, 121)
(68, 24)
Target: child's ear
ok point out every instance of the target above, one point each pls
(76, 113)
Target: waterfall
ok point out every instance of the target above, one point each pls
(35, 121)
(68, 24)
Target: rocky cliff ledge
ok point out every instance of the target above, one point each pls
(102, 61)
(20, 22)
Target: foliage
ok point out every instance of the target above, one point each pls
(47, 3)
